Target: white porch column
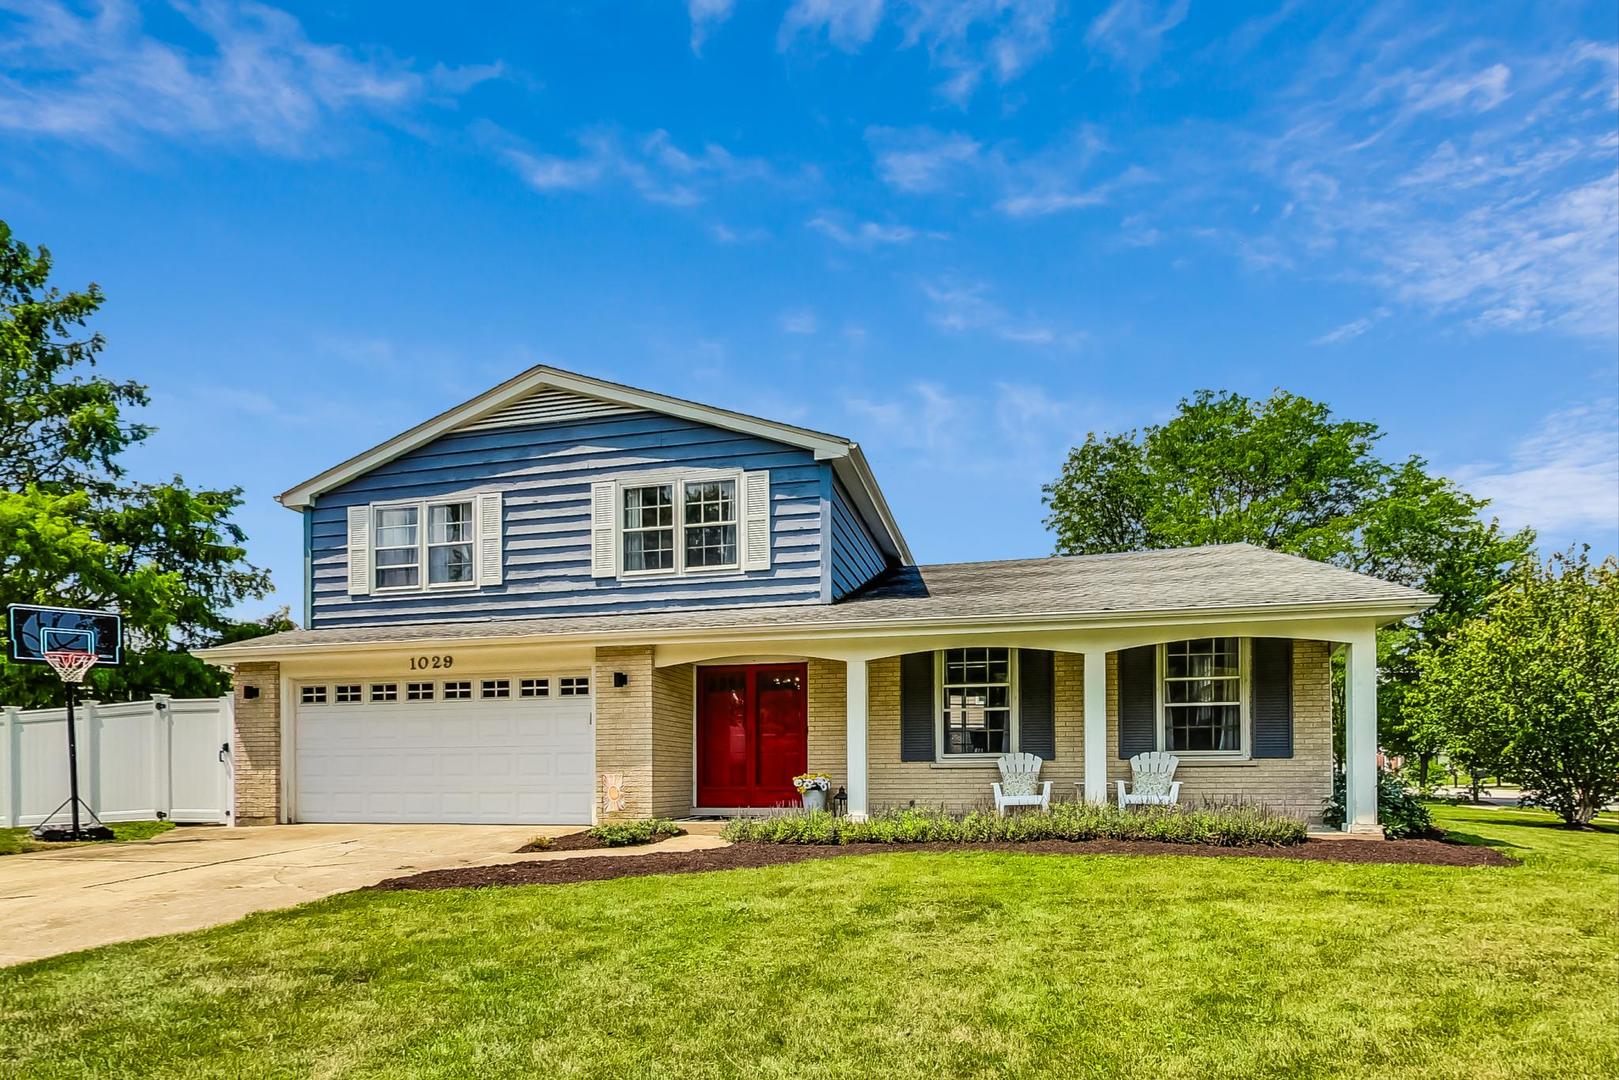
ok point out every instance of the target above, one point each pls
(1360, 735)
(1096, 725)
(855, 679)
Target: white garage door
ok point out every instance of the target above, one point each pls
(485, 749)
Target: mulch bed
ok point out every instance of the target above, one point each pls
(743, 856)
(581, 841)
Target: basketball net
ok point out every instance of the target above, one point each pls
(71, 664)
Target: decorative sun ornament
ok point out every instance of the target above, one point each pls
(612, 792)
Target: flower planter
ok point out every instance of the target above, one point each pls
(814, 799)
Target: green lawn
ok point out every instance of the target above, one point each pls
(904, 965)
(17, 841)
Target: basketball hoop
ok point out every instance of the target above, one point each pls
(70, 664)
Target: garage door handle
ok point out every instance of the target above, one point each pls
(224, 748)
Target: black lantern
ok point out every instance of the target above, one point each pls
(840, 803)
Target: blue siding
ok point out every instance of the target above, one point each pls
(856, 558)
(545, 472)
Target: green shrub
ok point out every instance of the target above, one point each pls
(641, 831)
(1220, 826)
(1400, 810)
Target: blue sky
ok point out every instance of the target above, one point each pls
(963, 234)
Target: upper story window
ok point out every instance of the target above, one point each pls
(1201, 695)
(649, 528)
(975, 696)
(425, 544)
(684, 524)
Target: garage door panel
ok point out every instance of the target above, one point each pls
(478, 760)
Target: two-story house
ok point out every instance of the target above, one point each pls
(568, 599)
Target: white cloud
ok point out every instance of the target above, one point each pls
(918, 160)
(252, 76)
(960, 307)
(1351, 330)
(802, 321)
(864, 234)
(1018, 429)
(1563, 479)
(1131, 32)
(652, 165)
(706, 17)
(965, 39)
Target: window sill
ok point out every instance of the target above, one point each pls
(991, 762)
(1187, 762)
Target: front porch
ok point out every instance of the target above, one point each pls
(860, 723)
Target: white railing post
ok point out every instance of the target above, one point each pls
(1360, 735)
(10, 768)
(1095, 725)
(162, 756)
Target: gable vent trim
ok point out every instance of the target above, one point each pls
(547, 405)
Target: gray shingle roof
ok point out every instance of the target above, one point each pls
(1231, 576)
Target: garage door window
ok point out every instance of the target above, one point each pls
(573, 687)
(312, 695)
(497, 688)
(388, 691)
(534, 687)
(418, 691)
(348, 694)
(457, 691)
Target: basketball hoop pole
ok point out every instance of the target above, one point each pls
(73, 759)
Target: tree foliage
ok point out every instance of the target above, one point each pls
(1530, 690)
(1286, 474)
(75, 529)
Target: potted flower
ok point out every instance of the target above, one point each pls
(812, 788)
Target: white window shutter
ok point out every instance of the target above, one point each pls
(359, 551)
(756, 520)
(603, 551)
(490, 544)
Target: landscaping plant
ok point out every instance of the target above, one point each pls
(1400, 810)
(629, 833)
(1218, 826)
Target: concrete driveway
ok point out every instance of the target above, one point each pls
(60, 901)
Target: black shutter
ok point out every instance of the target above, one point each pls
(916, 700)
(1273, 697)
(1138, 701)
(1037, 722)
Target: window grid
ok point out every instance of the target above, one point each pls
(419, 691)
(573, 686)
(1202, 695)
(347, 694)
(648, 515)
(976, 697)
(534, 687)
(460, 690)
(449, 544)
(312, 695)
(496, 688)
(385, 691)
(395, 547)
(710, 523)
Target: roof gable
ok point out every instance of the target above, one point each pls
(544, 394)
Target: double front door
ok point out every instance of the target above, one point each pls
(752, 734)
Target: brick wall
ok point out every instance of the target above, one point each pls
(256, 749)
(624, 729)
(828, 705)
(673, 698)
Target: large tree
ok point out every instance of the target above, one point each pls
(1531, 688)
(75, 529)
(1285, 473)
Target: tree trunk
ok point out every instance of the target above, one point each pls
(1424, 759)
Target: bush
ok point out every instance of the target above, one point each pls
(1400, 810)
(641, 831)
(1222, 827)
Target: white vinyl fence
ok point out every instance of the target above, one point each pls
(138, 760)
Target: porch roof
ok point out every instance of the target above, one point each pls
(1219, 579)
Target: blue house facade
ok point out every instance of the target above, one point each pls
(567, 600)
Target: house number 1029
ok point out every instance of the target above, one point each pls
(422, 663)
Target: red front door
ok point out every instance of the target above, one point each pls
(752, 734)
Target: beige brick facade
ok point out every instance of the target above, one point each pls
(674, 691)
(256, 751)
(828, 704)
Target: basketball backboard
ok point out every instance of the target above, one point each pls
(35, 630)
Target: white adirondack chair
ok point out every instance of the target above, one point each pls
(1153, 780)
(1021, 784)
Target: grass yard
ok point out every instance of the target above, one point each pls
(903, 965)
(17, 841)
